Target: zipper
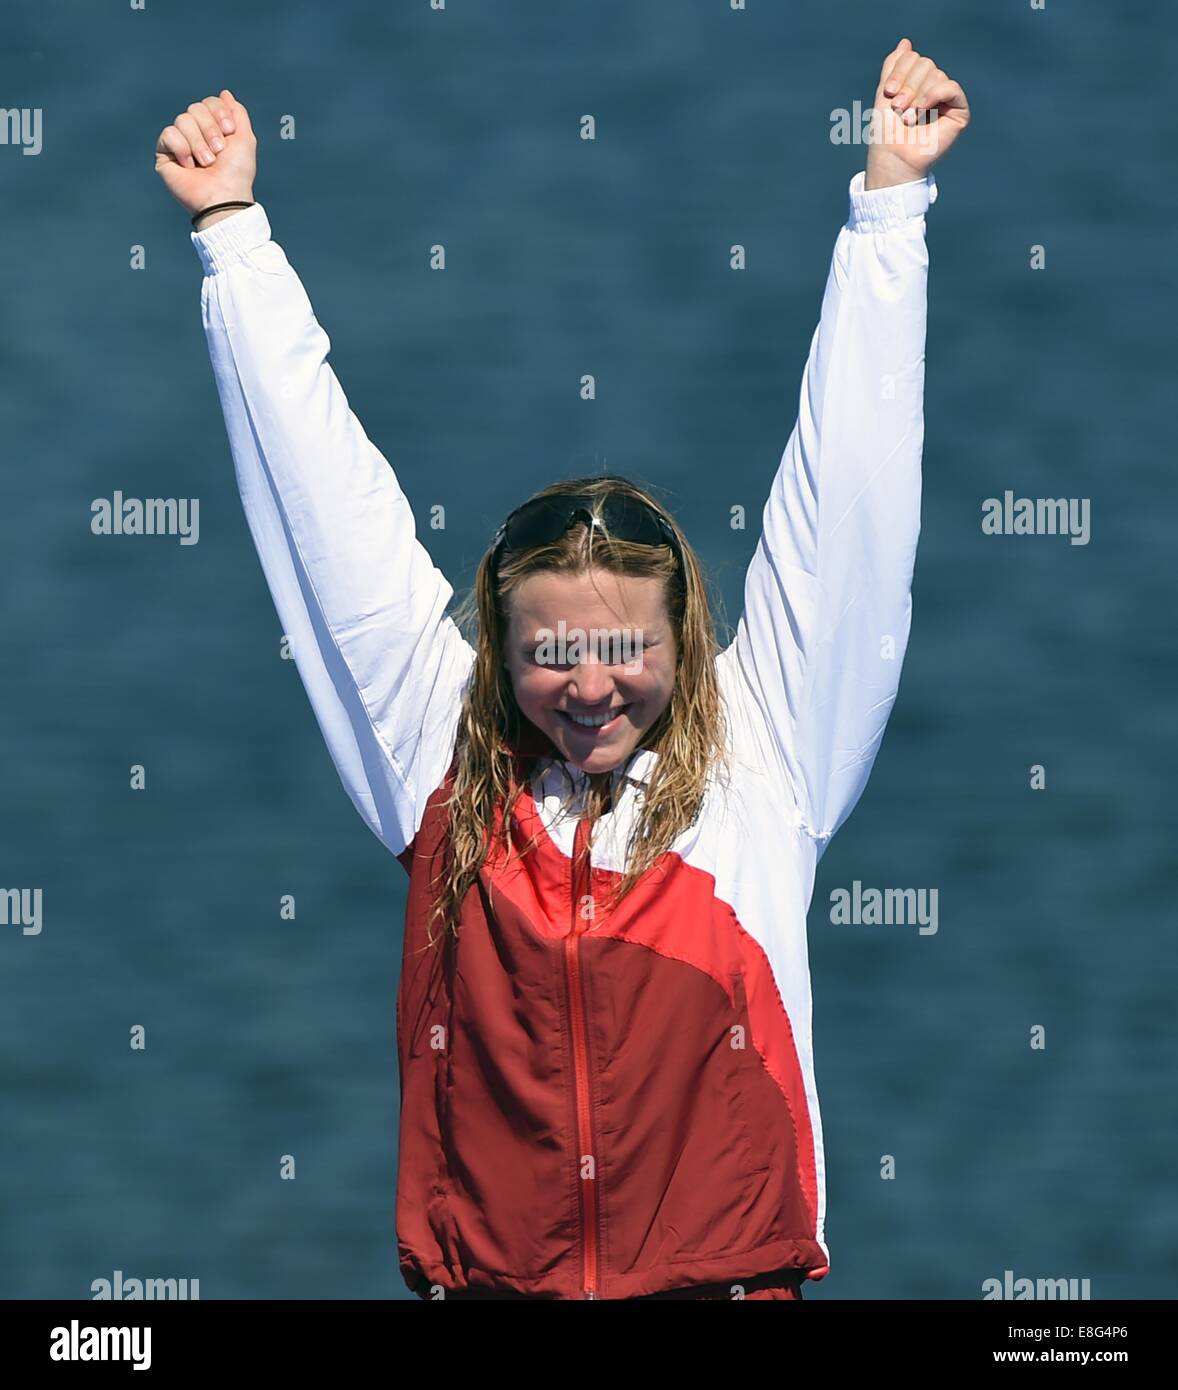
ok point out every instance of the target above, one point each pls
(580, 1031)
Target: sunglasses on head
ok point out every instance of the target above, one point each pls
(619, 515)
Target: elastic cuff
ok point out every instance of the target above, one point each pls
(231, 239)
(882, 208)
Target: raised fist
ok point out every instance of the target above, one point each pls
(208, 154)
(919, 113)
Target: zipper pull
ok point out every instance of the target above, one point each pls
(590, 1293)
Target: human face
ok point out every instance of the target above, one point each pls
(554, 680)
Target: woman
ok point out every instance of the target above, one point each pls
(610, 826)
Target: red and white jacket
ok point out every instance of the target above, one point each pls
(624, 1105)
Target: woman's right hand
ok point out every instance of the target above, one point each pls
(208, 154)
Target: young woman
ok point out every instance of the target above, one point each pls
(610, 825)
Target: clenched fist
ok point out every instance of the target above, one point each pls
(919, 112)
(209, 155)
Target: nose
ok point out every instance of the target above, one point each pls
(591, 683)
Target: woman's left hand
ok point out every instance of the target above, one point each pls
(907, 138)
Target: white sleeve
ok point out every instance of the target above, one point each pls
(827, 598)
(357, 594)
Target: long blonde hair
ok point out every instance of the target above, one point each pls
(689, 736)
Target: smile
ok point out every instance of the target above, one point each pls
(599, 723)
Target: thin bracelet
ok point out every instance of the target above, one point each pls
(217, 207)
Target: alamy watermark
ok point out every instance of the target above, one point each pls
(1009, 1287)
(146, 516)
(79, 1343)
(869, 125)
(570, 646)
(128, 1288)
(1037, 516)
(913, 907)
(21, 125)
(21, 907)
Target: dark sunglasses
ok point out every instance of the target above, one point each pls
(545, 519)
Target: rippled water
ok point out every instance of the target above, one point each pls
(268, 1037)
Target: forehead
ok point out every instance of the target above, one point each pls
(596, 598)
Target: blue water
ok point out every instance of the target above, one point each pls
(268, 1037)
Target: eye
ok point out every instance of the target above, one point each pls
(538, 656)
(624, 651)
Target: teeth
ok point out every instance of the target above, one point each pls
(594, 721)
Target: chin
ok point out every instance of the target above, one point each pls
(599, 761)
(603, 759)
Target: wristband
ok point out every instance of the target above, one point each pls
(217, 207)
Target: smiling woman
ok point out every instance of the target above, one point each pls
(595, 711)
(596, 552)
(604, 1016)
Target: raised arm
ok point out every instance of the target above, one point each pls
(356, 593)
(827, 596)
